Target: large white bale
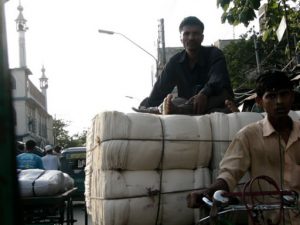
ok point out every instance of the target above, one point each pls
(138, 141)
(128, 154)
(132, 197)
(131, 211)
(143, 211)
(87, 179)
(224, 127)
(202, 178)
(112, 125)
(112, 184)
(186, 145)
(37, 182)
(174, 210)
(121, 184)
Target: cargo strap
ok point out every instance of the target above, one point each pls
(33, 183)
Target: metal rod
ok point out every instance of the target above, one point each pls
(137, 45)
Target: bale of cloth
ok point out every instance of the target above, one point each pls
(140, 167)
(37, 182)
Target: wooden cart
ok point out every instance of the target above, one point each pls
(57, 209)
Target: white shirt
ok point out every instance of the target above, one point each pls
(51, 162)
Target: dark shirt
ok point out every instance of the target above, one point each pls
(209, 76)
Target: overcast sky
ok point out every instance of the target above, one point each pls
(90, 72)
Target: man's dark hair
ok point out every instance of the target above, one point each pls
(191, 21)
(57, 148)
(20, 146)
(30, 145)
(272, 80)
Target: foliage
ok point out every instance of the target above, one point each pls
(240, 55)
(240, 58)
(78, 139)
(62, 137)
(244, 11)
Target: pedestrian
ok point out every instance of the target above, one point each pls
(50, 160)
(57, 151)
(29, 160)
(270, 147)
(20, 147)
(199, 73)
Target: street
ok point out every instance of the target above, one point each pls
(79, 214)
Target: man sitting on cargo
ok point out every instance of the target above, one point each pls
(29, 160)
(269, 147)
(199, 73)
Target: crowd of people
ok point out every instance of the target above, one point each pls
(28, 159)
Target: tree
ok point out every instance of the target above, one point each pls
(78, 139)
(62, 137)
(240, 58)
(244, 11)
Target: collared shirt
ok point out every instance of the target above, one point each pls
(256, 148)
(209, 76)
(29, 161)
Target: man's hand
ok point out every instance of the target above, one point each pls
(199, 102)
(194, 199)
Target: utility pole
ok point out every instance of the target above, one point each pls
(161, 42)
(256, 52)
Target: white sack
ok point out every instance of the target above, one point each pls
(49, 183)
(68, 183)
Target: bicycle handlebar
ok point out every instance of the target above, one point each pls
(221, 199)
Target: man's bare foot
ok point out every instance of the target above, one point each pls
(168, 105)
(231, 106)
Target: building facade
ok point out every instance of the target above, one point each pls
(32, 120)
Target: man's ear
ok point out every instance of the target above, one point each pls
(293, 96)
(202, 37)
(259, 101)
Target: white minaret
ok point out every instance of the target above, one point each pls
(21, 28)
(44, 85)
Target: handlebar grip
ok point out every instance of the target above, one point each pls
(207, 201)
(218, 198)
